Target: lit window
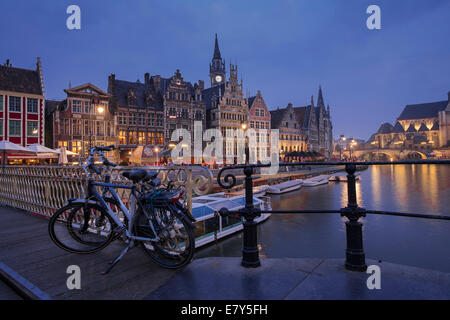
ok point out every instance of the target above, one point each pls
(32, 128)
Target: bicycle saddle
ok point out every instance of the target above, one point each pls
(151, 175)
(135, 175)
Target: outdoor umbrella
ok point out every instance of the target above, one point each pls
(41, 151)
(62, 156)
(9, 147)
(69, 153)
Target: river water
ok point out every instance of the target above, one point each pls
(404, 188)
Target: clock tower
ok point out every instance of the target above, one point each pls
(217, 67)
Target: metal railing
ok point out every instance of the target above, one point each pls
(355, 257)
(45, 189)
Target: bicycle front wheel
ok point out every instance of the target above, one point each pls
(80, 228)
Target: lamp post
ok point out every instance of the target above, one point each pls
(157, 155)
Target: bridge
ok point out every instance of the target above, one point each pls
(392, 154)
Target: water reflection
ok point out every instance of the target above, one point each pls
(417, 242)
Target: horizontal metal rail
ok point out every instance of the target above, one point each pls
(355, 256)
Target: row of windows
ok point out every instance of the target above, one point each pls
(80, 146)
(290, 137)
(233, 116)
(134, 119)
(234, 102)
(260, 125)
(86, 127)
(260, 112)
(79, 106)
(15, 104)
(184, 113)
(15, 128)
(137, 137)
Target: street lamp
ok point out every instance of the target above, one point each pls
(157, 155)
(100, 109)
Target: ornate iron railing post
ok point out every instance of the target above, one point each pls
(355, 258)
(250, 251)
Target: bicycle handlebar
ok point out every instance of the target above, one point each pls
(99, 150)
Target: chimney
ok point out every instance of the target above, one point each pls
(41, 76)
(289, 105)
(111, 84)
(157, 81)
(201, 83)
(147, 78)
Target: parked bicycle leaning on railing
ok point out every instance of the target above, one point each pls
(154, 218)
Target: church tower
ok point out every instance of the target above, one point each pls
(217, 66)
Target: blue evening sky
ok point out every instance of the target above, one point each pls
(284, 48)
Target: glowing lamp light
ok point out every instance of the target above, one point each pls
(172, 145)
(100, 109)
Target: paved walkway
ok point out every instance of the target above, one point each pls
(300, 279)
(25, 247)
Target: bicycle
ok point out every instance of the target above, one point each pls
(156, 219)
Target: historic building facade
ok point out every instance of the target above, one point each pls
(259, 121)
(149, 112)
(307, 128)
(22, 100)
(83, 120)
(419, 126)
(226, 106)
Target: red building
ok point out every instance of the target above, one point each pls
(22, 98)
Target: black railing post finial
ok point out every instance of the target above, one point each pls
(250, 251)
(355, 258)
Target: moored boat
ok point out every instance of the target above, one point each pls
(284, 187)
(315, 181)
(210, 226)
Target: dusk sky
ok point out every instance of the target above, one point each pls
(284, 48)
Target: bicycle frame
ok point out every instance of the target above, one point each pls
(130, 214)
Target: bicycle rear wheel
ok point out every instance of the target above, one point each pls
(80, 228)
(177, 245)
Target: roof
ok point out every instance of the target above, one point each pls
(435, 126)
(300, 115)
(276, 116)
(385, 128)
(423, 128)
(209, 93)
(422, 111)
(50, 106)
(372, 138)
(250, 101)
(20, 80)
(121, 89)
(411, 128)
(216, 50)
(398, 128)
